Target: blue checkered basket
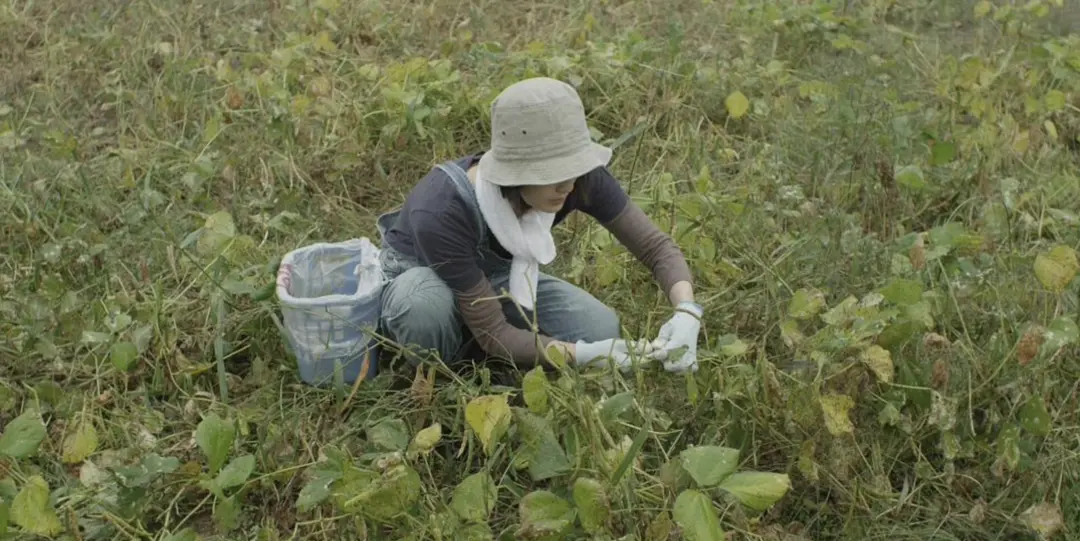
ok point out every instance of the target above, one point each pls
(330, 295)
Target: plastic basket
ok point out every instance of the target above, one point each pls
(331, 295)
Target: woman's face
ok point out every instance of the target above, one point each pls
(549, 198)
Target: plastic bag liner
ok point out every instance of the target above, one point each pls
(330, 296)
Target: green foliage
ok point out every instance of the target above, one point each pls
(877, 201)
(22, 435)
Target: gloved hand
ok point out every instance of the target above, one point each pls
(679, 331)
(586, 353)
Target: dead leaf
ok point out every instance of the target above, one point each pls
(1045, 518)
(1029, 345)
(939, 376)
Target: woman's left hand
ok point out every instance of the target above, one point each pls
(678, 332)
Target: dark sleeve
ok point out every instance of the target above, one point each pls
(601, 196)
(445, 240)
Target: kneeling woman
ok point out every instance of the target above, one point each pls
(482, 224)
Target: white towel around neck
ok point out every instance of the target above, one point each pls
(528, 239)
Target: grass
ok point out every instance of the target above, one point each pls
(917, 157)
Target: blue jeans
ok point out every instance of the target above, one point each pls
(420, 314)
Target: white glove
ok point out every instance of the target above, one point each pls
(586, 353)
(679, 331)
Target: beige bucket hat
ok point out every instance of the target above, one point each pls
(539, 136)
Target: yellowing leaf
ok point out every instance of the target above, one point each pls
(836, 408)
(1022, 142)
(757, 490)
(880, 361)
(1051, 129)
(324, 43)
(592, 504)
(544, 515)
(737, 104)
(1057, 268)
(806, 303)
(31, 511)
(911, 176)
(426, 440)
(80, 443)
(489, 417)
(983, 8)
(1054, 100)
(534, 387)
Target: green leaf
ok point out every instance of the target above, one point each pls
(475, 497)
(806, 303)
(911, 176)
(187, 534)
(879, 360)
(1056, 268)
(80, 443)
(32, 511)
(902, 291)
(835, 407)
(316, 490)
(592, 504)
(227, 513)
(389, 434)
(694, 514)
(540, 448)
(1061, 332)
(123, 355)
(489, 417)
(1034, 417)
(737, 105)
(732, 346)
(215, 437)
(841, 313)
(22, 435)
(545, 516)
(5, 515)
(535, 388)
(474, 532)
(942, 153)
(614, 406)
(235, 473)
(708, 465)
(1055, 100)
(757, 490)
(148, 469)
(218, 229)
(382, 498)
(426, 440)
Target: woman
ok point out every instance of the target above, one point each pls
(481, 224)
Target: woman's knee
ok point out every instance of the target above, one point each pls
(419, 308)
(602, 322)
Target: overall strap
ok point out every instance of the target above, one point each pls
(468, 193)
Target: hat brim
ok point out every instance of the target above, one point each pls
(543, 172)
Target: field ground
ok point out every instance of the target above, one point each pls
(878, 199)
